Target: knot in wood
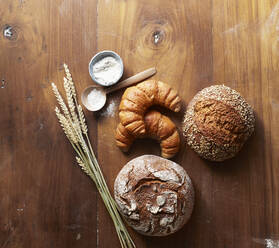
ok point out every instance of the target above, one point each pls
(10, 32)
(158, 36)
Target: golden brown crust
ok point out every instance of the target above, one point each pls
(161, 128)
(158, 127)
(217, 123)
(137, 99)
(123, 138)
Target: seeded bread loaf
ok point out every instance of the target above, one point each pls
(155, 195)
(217, 123)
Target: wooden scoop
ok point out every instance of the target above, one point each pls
(102, 92)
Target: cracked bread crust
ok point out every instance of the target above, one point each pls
(217, 123)
(155, 195)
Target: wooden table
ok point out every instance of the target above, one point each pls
(47, 201)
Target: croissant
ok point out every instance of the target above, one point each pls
(137, 99)
(158, 127)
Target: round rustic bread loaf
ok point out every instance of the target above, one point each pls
(217, 123)
(155, 195)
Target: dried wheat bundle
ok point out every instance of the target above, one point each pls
(73, 123)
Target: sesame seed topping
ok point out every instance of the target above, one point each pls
(206, 146)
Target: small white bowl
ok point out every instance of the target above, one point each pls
(100, 56)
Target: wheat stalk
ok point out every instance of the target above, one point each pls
(73, 123)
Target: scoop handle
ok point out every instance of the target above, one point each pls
(132, 80)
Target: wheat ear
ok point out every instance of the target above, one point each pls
(69, 77)
(82, 120)
(60, 101)
(66, 127)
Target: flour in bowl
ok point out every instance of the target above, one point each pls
(96, 99)
(107, 71)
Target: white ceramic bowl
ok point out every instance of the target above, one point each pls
(100, 56)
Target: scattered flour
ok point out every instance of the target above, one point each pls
(272, 243)
(109, 111)
(78, 236)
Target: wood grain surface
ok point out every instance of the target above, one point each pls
(47, 201)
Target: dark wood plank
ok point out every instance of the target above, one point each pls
(248, 188)
(166, 35)
(46, 201)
